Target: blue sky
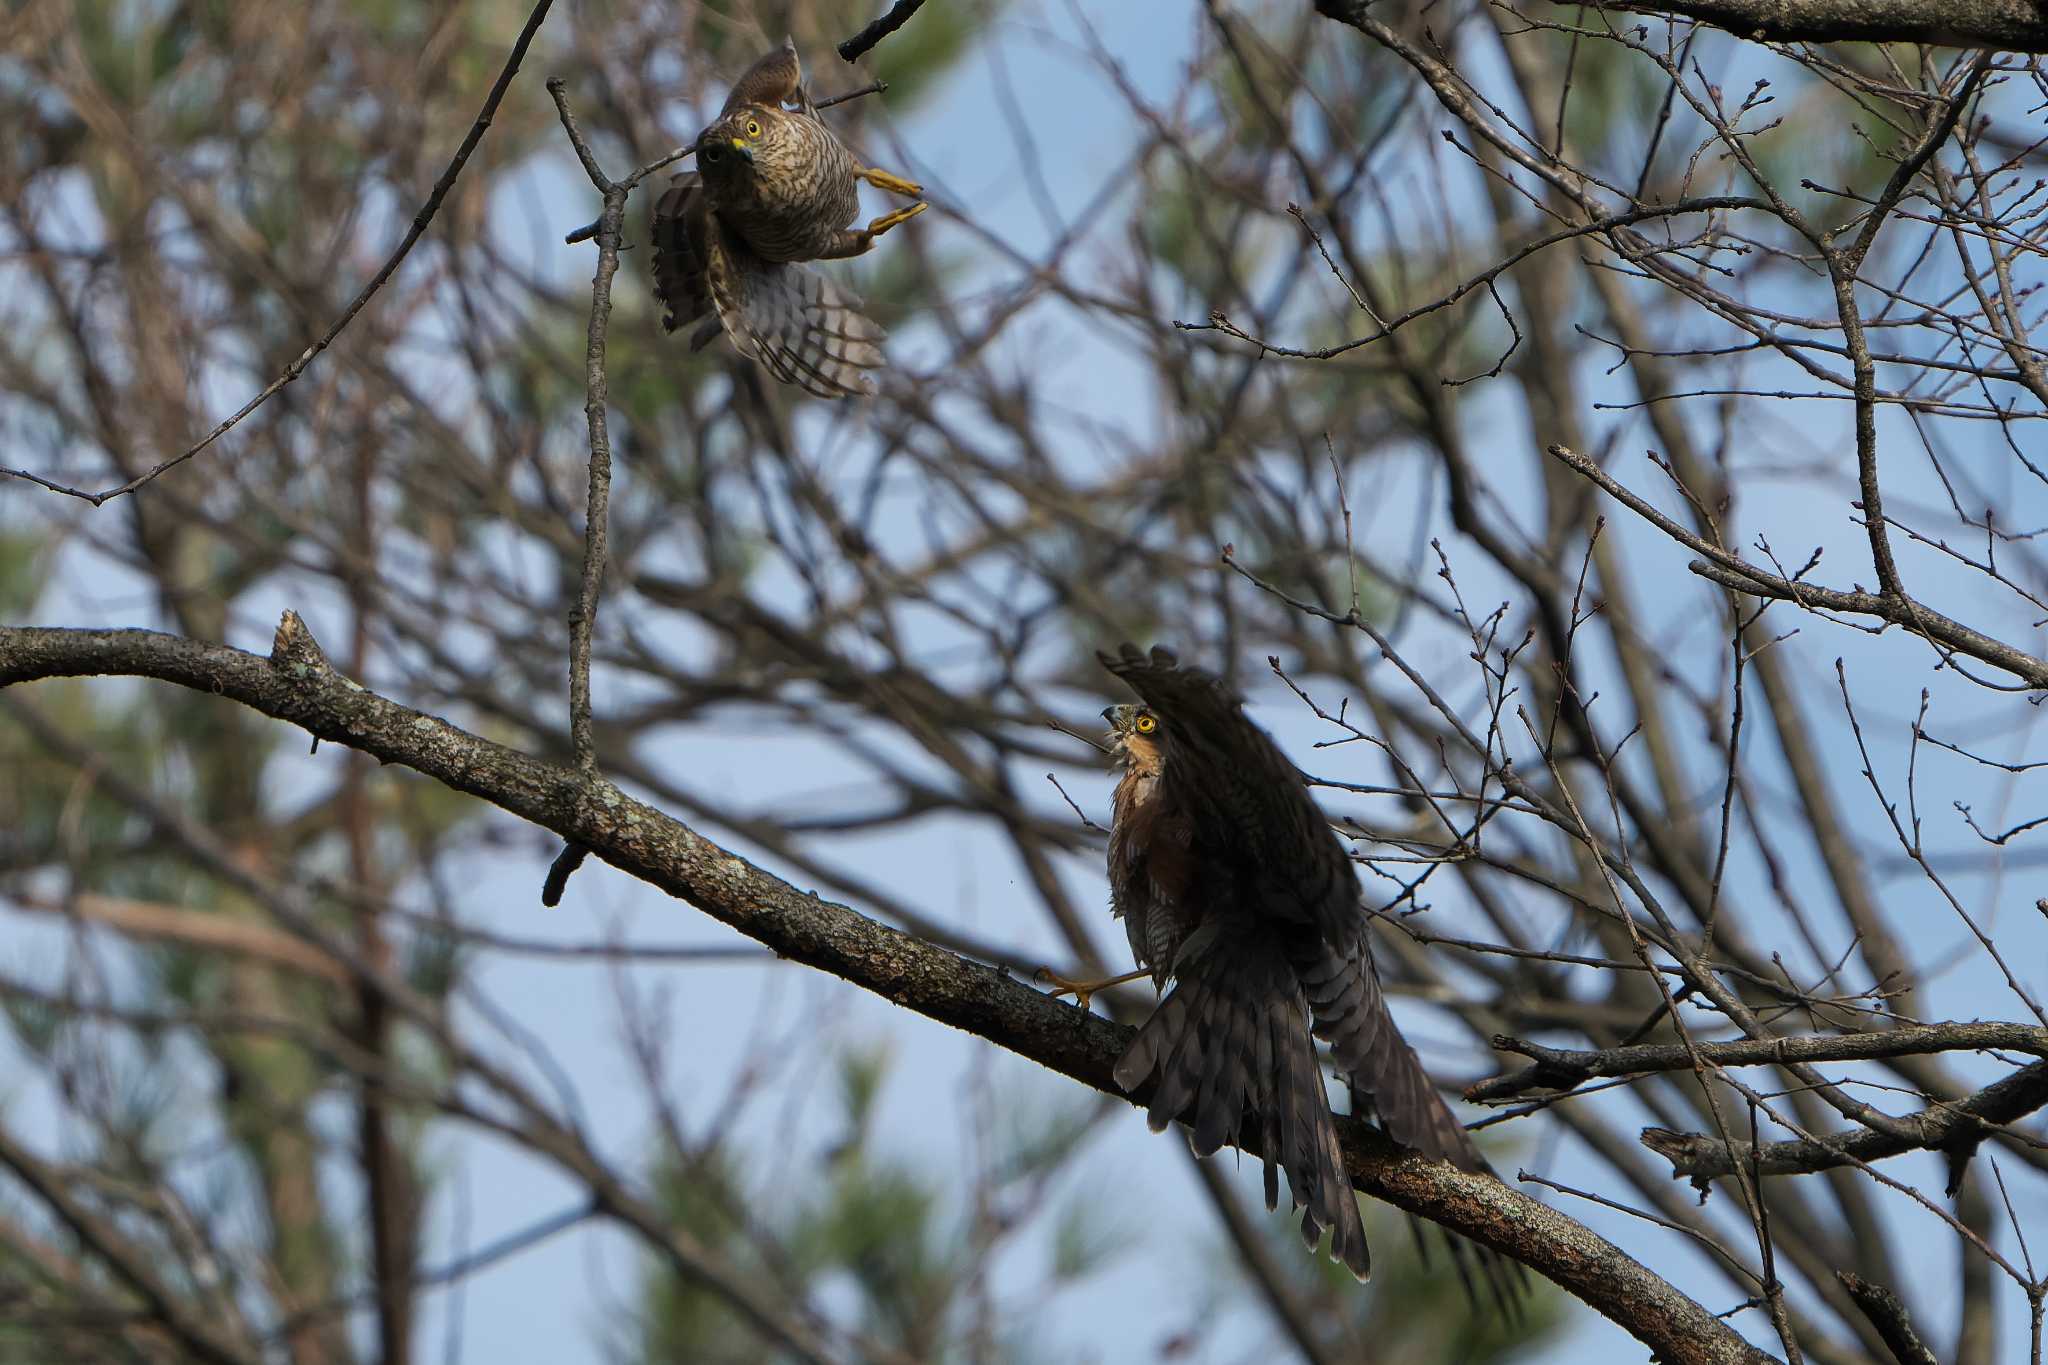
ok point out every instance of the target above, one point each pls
(559, 1300)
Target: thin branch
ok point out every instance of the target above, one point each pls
(597, 393)
(1955, 1127)
(1561, 1068)
(134, 1265)
(856, 47)
(1731, 571)
(298, 367)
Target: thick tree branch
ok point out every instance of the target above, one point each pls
(2015, 25)
(296, 684)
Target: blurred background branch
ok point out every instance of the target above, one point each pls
(1643, 761)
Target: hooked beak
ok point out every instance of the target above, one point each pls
(742, 151)
(1109, 714)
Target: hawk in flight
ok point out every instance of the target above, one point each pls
(773, 188)
(1232, 885)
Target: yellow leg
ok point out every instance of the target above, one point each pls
(889, 220)
(895, 184)
(851, 244)
(1082, 991)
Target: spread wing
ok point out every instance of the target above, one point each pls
(804, 328)
(1247, 803)
(681, 231)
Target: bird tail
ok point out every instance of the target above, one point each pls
(1343, 992)
(1231, 1039)
(803, 327)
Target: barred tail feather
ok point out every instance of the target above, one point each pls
(805, 329)
(1231, 1039)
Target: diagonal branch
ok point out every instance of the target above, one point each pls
(1731, 571)
(296, 684)
(856, 47)
(204, 930)
(1885, 1311)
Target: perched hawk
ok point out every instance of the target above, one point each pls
(773, 188)
(1232, 885)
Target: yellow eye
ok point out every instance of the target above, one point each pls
(1145, 725)
(753, 128)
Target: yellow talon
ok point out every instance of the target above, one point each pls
(889, 220)
(895, 184)
(1083, 991)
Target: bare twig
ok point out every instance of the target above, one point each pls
(583, 616)
(1889, 1315)
(412, 235)
(856, 47)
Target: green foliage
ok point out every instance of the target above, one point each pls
(1185, 230)
(1824, 139)
(22, 574)
(1415, 1310)
(434, 962)
(905, 1238)
(1085, 1238)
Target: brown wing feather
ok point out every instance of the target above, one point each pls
(680, 230)
(1343, 990)
(1279, 875)
(771, 82)
(1246, 800)
(1230, 1040)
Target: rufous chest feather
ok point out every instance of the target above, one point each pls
(1148, 837)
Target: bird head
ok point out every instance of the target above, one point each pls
(726, 149)
(1133, 729)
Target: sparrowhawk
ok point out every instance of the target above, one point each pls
(773, 188)
(1232, 885)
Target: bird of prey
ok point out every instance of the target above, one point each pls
(1232, 885)
(773, 188)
